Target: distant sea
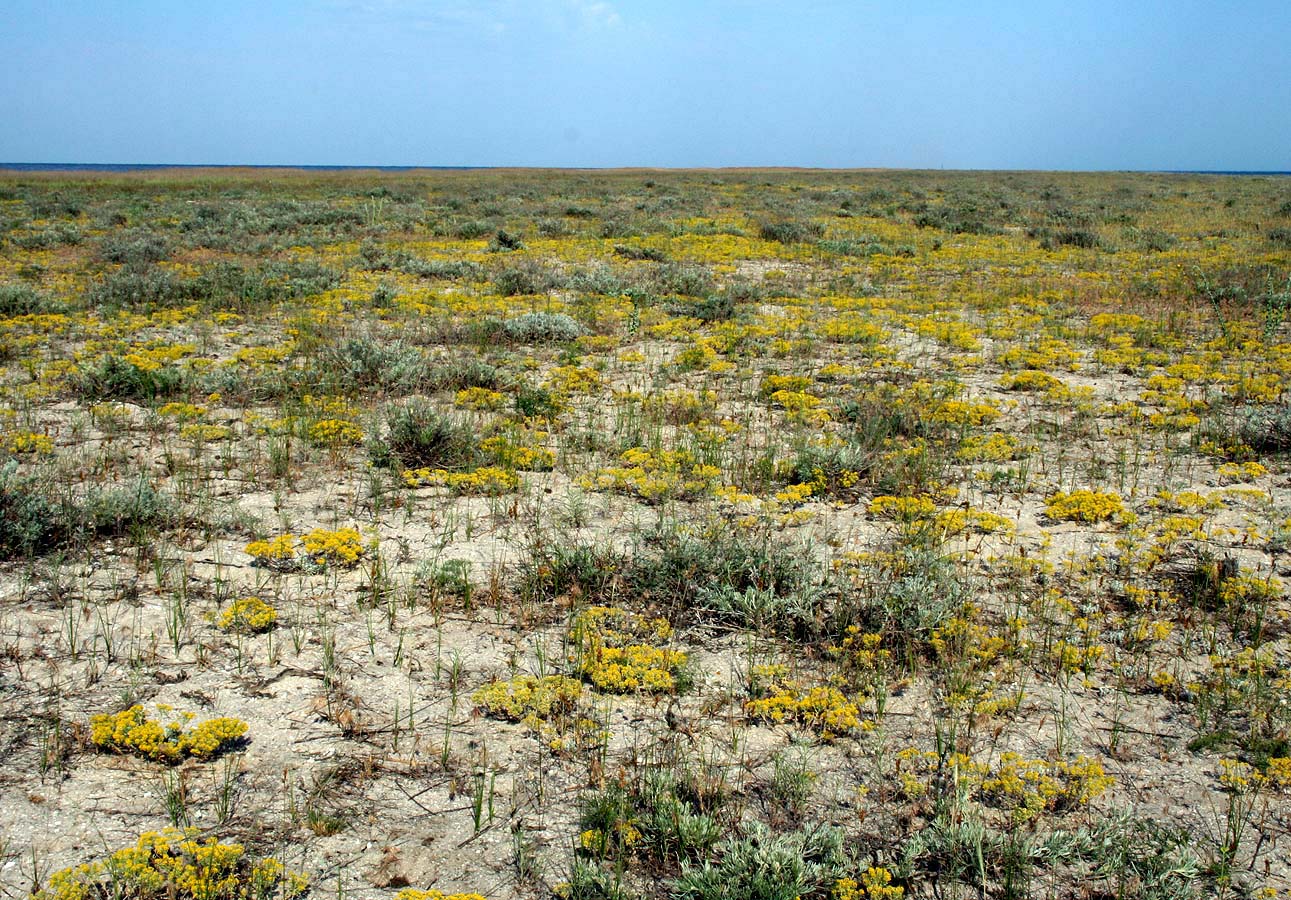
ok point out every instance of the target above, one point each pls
(1216, 172)
(148, 167)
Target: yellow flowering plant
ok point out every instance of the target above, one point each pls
(134, 731)
(616, 651)
(177, 865)
(320, 548)
(1031, 786)
(248, 615)
(1085, 506)
(528, 699)
(27, 443)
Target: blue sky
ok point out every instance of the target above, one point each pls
(1072, 85)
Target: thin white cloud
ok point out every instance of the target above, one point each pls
(483, 16)
(598, 12)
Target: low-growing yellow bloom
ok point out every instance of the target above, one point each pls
(432, 894)
(335, 433)
(176, 865)
(528, 699)
(280, 549)
(132, 731)
(489, 481)
(611, 653)
(28, 442)
(342, 547)
(1032, 786)
(249, 615)
(1084, 506)
(480, 398)
(203, 433)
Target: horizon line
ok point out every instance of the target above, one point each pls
(337, 167)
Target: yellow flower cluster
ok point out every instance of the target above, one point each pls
(183, 411)
(1144, 548)
(963, 412)
(916, 769)
(994, 447)
(903, 509)
(795, 401)
(1150, 631)
(1187, 501)
(635, 667)
(795, 494)
(1072, 658)
(774, 384)
(280, 549)
(623, 836)
(824, 709)
(610, 653)
(699, 355)
(876, 884)
(176, 865)
(261, 357)
(249, 615)
(152, 356)
(1265, 388)
(566, 380)
(678, 406)
(656, 475)
(964, 639)
(343, 547)
(862, 656)
(1247, 668)
(1032, 786)
(132, 731)
(329, 407)
(977, 659)
(335, 433)
(801, 407)
(480, 399)
(1030, 380)
(959, 521)
(28, 442)
(432, 894)
(1241, 471)
(1105, 323)
(1084, 506)
(1246, 589)
(1278, 772)
(490, 481)
(528, 699)
(834, 372)
(853, 328)
(1239, 777)
(507, 453)
(1047, 353)
(202, 433)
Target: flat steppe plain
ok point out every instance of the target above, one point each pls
(714, 534)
